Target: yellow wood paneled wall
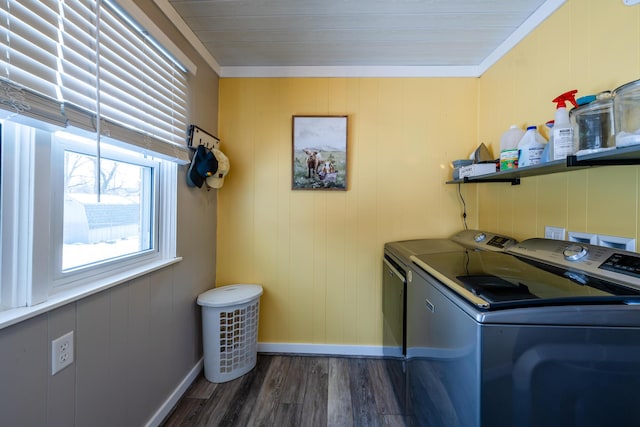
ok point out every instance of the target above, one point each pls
(589, 45)
(318, 253)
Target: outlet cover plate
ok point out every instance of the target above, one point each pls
(61, 352)
(590, 238)
(624, 243)
(555, 233)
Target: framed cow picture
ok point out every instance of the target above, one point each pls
(319, 155)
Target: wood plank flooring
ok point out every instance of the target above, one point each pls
(285, 390)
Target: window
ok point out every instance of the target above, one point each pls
(58, 231)
(92, 128)
(118, 220)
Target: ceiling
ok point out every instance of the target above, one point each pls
(355, 37)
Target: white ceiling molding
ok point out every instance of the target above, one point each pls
(352, 71)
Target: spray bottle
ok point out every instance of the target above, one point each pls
(563, 141)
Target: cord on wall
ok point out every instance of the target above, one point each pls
(464, 208)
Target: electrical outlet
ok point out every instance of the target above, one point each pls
(61, 352)
(575, 236)
(556, 233)
(624, 243)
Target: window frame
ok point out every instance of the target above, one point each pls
(63, 277)
(32, 234)
(15, 227)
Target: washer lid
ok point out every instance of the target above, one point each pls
(497, 280)
(229, 295)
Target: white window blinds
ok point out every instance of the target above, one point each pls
(65, 50)
(78, 55)
(29, 55)
(140, 87)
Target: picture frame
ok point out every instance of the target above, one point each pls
(319, 153)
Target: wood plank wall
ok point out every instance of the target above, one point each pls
(318, 253)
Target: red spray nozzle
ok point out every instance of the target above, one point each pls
(570, 96)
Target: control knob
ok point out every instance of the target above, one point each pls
(479, 237)
(574, 252)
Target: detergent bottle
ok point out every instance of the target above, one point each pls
(509, 147)
(531, 147)
(563, 141)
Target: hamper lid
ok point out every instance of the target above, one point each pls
(229, 295)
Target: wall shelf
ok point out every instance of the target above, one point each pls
(616, 157)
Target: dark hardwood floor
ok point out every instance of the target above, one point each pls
(298, 391)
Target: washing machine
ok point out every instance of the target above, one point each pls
(396, 277)
(545, 333)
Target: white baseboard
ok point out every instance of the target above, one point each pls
(168, 405)
(321, 349)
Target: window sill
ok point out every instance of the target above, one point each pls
(12, 316)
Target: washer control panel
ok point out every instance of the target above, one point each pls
(623, 264)
(598, 261)
(483, 240)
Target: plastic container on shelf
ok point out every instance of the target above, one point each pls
(531, 147)
(593, 125)
(510, 139)
(230, 330)
(563, 141)
(509, 147)
(626, 112)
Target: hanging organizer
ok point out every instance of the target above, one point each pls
(197, 136)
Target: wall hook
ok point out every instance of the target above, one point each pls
(197, 136)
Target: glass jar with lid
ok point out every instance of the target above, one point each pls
(593, 124)
(626, 111)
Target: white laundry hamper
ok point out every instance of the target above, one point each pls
(230, 330)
